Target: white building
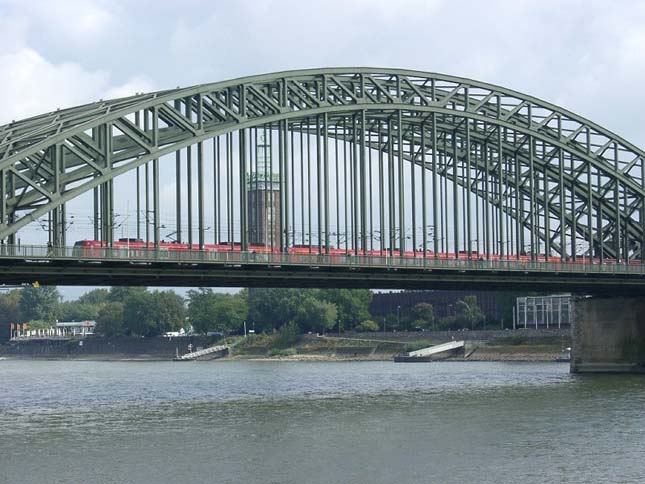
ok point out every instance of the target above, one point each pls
(62, 329)
(543, 312)
(77, 328)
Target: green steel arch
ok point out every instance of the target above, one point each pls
(560, 179)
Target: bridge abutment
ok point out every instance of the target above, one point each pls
(608, 335)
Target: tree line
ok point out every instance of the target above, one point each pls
(467, 315)
(137, 311)
(129, 311)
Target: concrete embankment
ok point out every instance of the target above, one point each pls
(120, 348)
(485, 352)
(487, 346)
(518, 345)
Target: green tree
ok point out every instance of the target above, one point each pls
(10, 307)
(200, 309)
(316, 315)
(209, 311)
(230, 312)
(270, 308)
(352, 304)
(468, 314)
(95, 297)
(424, 314)
(39, 324)
(9, 312)
(109, 321)
(288, 335)
(367, 325)
(122, 293)
(170, 311)
(77, 311)
(40, 303)
(138, 314)
(152, 314)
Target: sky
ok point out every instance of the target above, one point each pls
(586, 56)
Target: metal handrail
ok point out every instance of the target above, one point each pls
(43, 254)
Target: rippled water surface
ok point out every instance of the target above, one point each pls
(296, 422)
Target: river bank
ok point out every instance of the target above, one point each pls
(478, 351)
(479, 346)
(489, 346)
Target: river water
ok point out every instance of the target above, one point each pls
(322, 422)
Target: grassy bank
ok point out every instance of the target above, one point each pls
(338, 348)
(294, 347)
(308, 347)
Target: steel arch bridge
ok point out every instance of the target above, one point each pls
(371, 168)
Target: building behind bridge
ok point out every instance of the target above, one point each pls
(443, 302)
(543, 311)
(264, 200)
(264, 211)
(505, 308)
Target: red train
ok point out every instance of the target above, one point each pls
(92, 248)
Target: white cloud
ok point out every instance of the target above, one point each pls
(138, 84)
(33, 82)
(68, 20)
(32, 85)
(573, 52)
(13, 33)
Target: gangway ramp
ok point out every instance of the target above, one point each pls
(210, 352)
(427, 354)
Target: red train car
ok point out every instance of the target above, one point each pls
(135, 247)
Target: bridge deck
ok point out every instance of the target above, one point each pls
(105, 266)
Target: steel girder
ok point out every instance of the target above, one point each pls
(583, 179)
(68, 272)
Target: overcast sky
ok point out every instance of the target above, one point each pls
(587, 56)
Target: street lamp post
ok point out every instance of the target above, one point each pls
(398, 317)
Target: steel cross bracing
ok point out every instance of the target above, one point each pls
(495, 171)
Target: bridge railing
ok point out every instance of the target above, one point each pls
(42, 254)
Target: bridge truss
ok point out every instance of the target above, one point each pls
(364, 160)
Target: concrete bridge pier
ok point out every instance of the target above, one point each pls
(608, 335)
